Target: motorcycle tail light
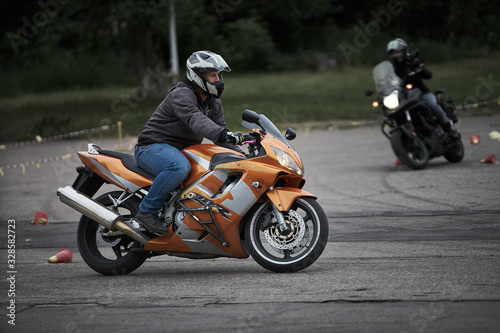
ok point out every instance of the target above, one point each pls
(409, 86)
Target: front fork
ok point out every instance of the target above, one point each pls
(279, 217)
(281, 200)
(407, 127)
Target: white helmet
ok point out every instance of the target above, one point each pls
(205, 61)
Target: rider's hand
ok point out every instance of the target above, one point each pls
(417, 65)
(416, 62)
(248, 137)
(234, 138)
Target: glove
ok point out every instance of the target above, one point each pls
(417, 65)
(234, 138)
(416, 62)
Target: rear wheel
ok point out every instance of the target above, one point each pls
(411, 151)
(104, 252)
(292, 249)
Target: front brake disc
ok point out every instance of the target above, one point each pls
(293, 236)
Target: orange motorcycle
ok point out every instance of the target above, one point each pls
(231, 205)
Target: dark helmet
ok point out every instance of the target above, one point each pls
(397, 45)
(205, 61)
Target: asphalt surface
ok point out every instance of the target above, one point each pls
(409, 251)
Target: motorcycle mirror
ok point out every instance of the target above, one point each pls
(368, 92)
(250, 116)
(290, 134)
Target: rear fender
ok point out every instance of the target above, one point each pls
(87, 181)
(284, 197)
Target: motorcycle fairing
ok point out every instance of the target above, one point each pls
(216, 201)
(201, 156)
(214, 206)
(190, 243)
(112, 170)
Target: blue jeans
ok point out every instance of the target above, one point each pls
(436, 109)
(169, 166)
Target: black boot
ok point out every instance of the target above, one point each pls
(451, 131)
(151, 222)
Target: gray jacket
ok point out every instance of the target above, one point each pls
(182, 120)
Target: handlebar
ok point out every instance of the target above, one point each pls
(249, 139)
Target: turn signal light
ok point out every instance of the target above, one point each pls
(375, 104)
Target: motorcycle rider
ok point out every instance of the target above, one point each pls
(397, 50)
(190, 112)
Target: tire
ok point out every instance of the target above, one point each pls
(115, 255)
(294, 251)
(411, 151)
(455, 153)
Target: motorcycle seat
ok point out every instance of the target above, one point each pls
(128, 161)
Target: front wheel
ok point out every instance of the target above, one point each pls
(411, 151)
(104, 252)
(455, 153)
(289, 250)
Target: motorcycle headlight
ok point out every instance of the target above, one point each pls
(391, 101)
(287, 161)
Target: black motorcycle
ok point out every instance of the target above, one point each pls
(414, 132)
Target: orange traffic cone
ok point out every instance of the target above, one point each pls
(64, 256)
(398, 162)
(490, 159)
(475, 140)
(40, 218)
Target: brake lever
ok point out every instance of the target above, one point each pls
(249, 139)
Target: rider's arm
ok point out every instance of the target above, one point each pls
(421, 70)
(185, 107)
(218, 118)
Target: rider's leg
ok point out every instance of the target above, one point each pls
(170, 167)
(440, 115)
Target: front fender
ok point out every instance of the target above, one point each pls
(284, 197)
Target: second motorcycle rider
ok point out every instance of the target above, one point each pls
(397, 50)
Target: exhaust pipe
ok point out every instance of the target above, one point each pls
(98, 212)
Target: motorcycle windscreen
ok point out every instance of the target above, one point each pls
(267, 125)
(385, 78)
